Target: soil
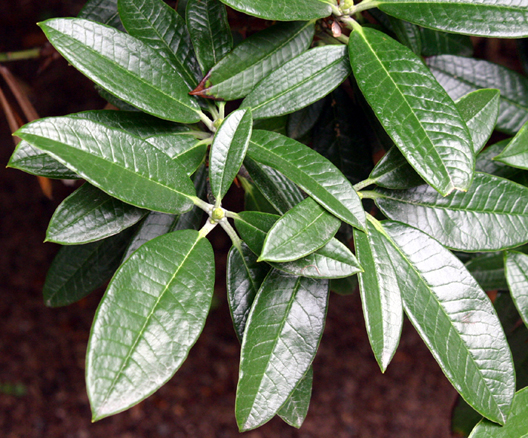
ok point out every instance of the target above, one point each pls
(42, 350)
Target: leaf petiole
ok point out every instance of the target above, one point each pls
(370, 194)
(237, 242)
(362, 184)
(207, 121)
(207, 228)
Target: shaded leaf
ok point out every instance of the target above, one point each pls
(515, 154)
(441, 43)
(488, 270)
(407, 33)
(302, 121)
(393, 171)
(102, 11)
(254, 200)
(485, 161)
(516, 268)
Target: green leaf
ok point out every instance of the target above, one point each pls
(393, 171)
(516, 153)
(480, 110)
(279, 346)
(517, 421)
(228, 150)
(295, 409)
(302, 230)
(516, 269)
(311, 172)
(78, 270)
(162, 28)
(440, 43)
(295, 10)
(89, 214)
(299, 82)
(460, 75)
(334, 260)
(485, 161)
(407, 33)
(256, 57)
(138, 74)
(488, 217)
(280, 192)
(301, 122)
(455, 319)
(380, 293)
(414, 109)
(488, 270)
(487, 18)
(344, 286)
(254, 200)
(244, 277)
(274, 124)
(31, 160)
(102, 11)
(160, 297)
(209, 30)
(122, 165)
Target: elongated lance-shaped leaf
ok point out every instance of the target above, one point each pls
(300, 82)
(302, 230)
(78, 270)
(124, 66)
(334, 260)
(254, 200)
(485, 161)
(294, 10)
(517, 421)
(487, 18)
(160, 296)
(516, 268)
(516, 153)
(455, 318)
(235, 75)
(295, 409)
(380, 293)
(33, 161)
(102, 11)
(311, 172)
(393, 171)
(480, 110)
(488, 270)
(89, 214)
(276, 188)
(163, 29)
(228, 150)
(244, 277)
(278, 347)
(407, 33)
(488, 217)
(414, 110)
(441, 43)
(460, 75)
(301, 122)
(118, 163)
(209, 30)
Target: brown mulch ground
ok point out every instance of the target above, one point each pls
(42, 350)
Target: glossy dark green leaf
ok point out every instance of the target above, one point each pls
(311, 172)
(228, 150)
(102, 11)
(334, 260)
(279, 346)
(160, 297)
(33, 161)
(460, 75)
(255, 58)
(441, 43)
(122, 165)
(302, 121)
(407, 33)
(274, 124)
(254, 200)
(488, 217)
(299, 82)
(341, 136)
(480, 110)
(344, 286)
(244, 277)
(414, 109)
(516, 153)
(78, 270)
(485, 161)
(393, 171)
(89, 214)
(487, 18)
(516, 267)
(209, 30)
(281, 193)
(302, 230)
(380, 293)
(455, 318)
(488, 270)
(295, 409)
(162, 28)
(138, 74)
(517, 424)
(295, 10)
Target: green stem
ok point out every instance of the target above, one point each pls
(206, 141)
(232, 214)
(213, 110)
(207, 121)
(199, 135)
(207, 228)
(22, 54)
(205, 206)
(221, 108)
(370, 194)
(365, 5)
(362, 184)
(237, 243)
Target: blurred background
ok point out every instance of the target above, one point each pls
(42, 350)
